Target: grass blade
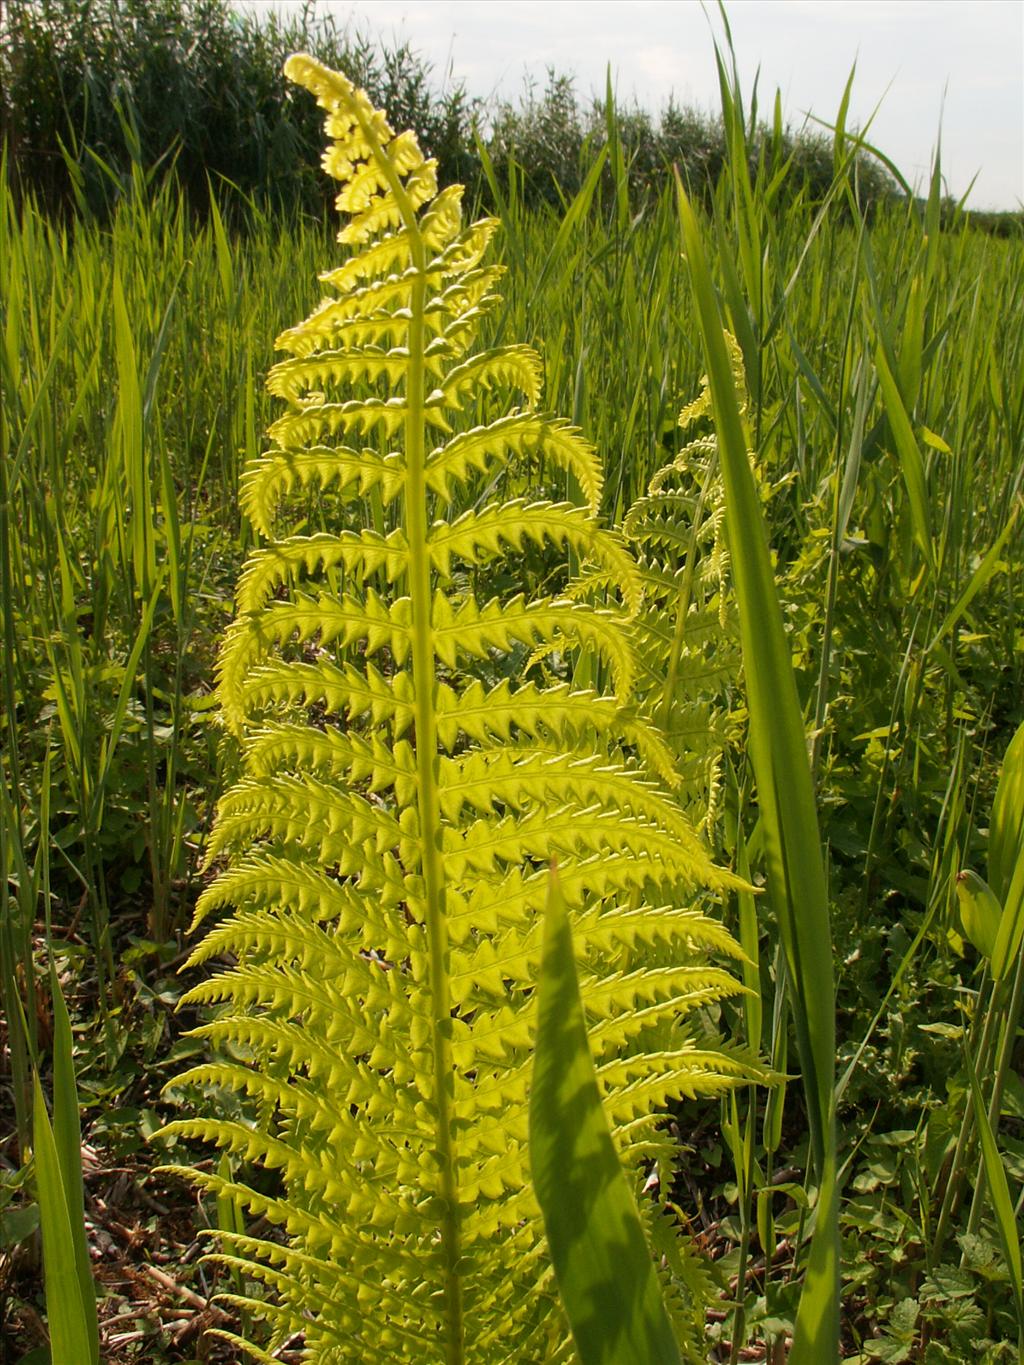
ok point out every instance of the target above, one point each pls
(1006, 840)
(910, 457)
(605, 1274)
(786, 799)
(71, 1337)
(128, 682)
(67, 1138)
(1011, 925)
(1006, 857)
(989, 566)
(1002, 1204)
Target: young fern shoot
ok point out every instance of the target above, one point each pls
(685, 632)
(383, 857)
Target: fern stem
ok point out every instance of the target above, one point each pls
(427, 771)
(428, 764)
(683, 610)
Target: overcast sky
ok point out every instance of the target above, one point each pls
(958, 64)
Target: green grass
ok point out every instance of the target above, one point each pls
(885, 363)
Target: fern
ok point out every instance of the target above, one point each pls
(685, 633)
(383, 857)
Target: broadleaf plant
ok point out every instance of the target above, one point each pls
(383, 857)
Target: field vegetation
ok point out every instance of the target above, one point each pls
(873, 361)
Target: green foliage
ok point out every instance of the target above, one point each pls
(549, 139)
(785, 794)
(385, 848)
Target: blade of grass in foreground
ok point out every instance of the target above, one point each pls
(604, 1269)
(70, 1316)
(67, 1139)
(1002, 1204)
(1006, 855)
(796, 877)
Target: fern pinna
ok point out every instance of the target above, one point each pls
(384, 854)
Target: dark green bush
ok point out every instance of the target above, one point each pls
(551, 137)
(93, 90)
(92, 86)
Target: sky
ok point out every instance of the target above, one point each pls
(925, 65)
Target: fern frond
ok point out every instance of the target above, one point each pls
(372, 941)
(362, 416)
(272, 477)
(462, 251)
(685, 643)
(511, 367)
(332, 620)
(380, 299)
(482, 967)
(665, 515)
(634, 1087)
(464, 295)
(363, 550)
(305, 813)
(292, 378)
(517, 436)
(476, 537)
(475, 631)
(527, 779)
(370, 762)
(492, 714)
(268, 882)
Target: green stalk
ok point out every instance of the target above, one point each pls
(844, 490)
(956, 1174)
(1006, 1225)
(753, 1021)
(428, 766)
(683, 610)
(606, 1278)
(424, 687)
(11, 658)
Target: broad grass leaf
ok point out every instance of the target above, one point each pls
(910, 458)
(1002, 1204)
(67, 1140)
(980, 912)
(606, 1278)
(1006, 856)
(1006, 840)
(72, 1336)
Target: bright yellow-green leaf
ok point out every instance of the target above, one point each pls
(980, 912)
(936, 442)
(67, 1135)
